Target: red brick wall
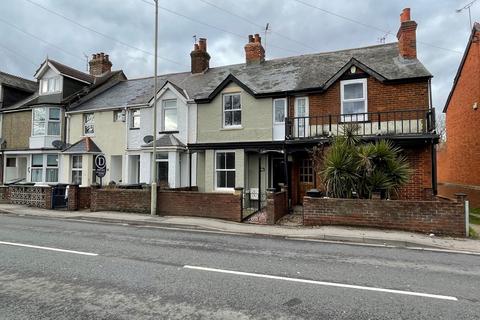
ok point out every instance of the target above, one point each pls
(438, 217)
(4, 194)
(170, 202)
(199, 204)
(449, 191)
(419, 186)
(120, 200)
(381, 97)
(459, 162)
(277, 206)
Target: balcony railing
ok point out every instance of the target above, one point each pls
(386, 123)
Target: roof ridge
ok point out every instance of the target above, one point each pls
(68, 67)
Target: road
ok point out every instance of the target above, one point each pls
(111, 271)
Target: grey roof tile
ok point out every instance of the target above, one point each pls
(18, 82)
(166, 140)
(296, 73)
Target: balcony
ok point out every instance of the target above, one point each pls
(399, 123)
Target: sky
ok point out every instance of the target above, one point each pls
(67, 30)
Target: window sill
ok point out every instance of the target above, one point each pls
(133, 128)
(231, 128)
(224, 190)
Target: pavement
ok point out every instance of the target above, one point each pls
(321, 233)
(72, 269)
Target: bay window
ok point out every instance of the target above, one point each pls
(225, 170)
(46, 121)
(77, 170)
(52, 168)
(170, 115)
(232, 110)
(162, 167)
(37, 168)
(354, 99)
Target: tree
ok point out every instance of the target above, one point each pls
(350, 165)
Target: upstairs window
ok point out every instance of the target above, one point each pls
(354, 99)
(135, 119)
(232, 110)
(46, 121)
(88, 124)
(50, 85)
(118, 116)
(170, 115)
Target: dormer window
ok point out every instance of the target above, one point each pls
(50, 85)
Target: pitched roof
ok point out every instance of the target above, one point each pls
(476, 28)
(68, 71)
(166, 140)
(84, 145)
(17, 82)
(297, 73)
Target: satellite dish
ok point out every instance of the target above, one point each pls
(58, 144)
(148, 139)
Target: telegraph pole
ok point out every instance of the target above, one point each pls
(153, 196)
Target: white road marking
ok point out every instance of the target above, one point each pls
(47, 248)
(323, 283)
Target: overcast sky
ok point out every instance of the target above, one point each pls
(296, 29)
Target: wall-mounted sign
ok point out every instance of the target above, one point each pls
(100, 166)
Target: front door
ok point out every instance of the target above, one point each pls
(305, 178)
(279, 112)
(278, 173)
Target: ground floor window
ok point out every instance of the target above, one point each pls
(162, 167)
(225, 170)
(44, 168)
(77, 170)
(306, 171)
(11, 162)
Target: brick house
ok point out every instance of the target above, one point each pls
(458, 169)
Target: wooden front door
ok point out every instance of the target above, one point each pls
(305, 178)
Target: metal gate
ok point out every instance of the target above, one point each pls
(59, 201)
(253, 201)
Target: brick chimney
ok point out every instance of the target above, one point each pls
(99, 64)
(406, 35)
(200, 57)
(254, 51)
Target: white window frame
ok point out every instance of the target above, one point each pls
(118, 115)
(72, 169)
(46, 122)
(50, 167)
(91, 123)
(39, 168)
(226, 170)
(305, 122)
(50, 85)
(131, 121)
(231, 110)
(164, 108)
(284, 112)
(43, 168)
(363, 81)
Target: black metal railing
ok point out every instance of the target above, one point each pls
(388, 123)
(253, 201)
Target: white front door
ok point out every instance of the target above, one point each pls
(279, 113)
(300, 125)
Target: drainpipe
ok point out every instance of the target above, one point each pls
(432, 145)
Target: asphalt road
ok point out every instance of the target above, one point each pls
(129, 272)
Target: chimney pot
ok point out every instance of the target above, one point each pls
(254, 51)
(200, 59)
(407, 36)
(99, 64)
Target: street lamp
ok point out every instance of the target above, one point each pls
(153, 196)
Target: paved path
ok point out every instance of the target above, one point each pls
(59, 269)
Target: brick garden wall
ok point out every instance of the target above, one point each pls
(170, 202)
(4, 194)
(32, 196)
(438, 217)
(199, 204)
(277, 206)
(449, 191)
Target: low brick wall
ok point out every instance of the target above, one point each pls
(127, 200)
(33, 196)
(438, 217)
(171, 202)
(277, 206)
(199, 204)
(78, 197)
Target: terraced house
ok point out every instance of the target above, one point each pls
(34, 128)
